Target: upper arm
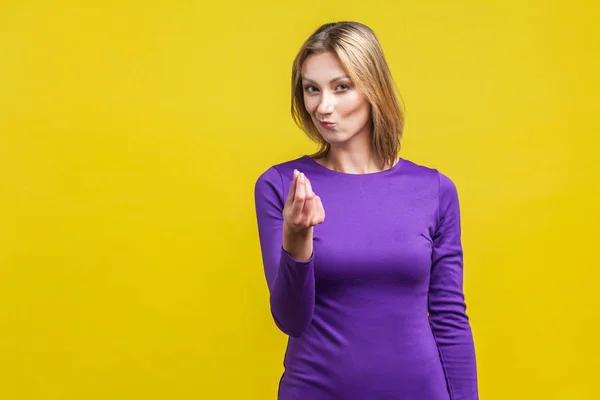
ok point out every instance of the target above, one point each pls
(446, 283)
(268, 202)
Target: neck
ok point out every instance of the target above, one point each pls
(354, 162)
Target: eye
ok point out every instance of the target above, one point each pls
(342, 87)
(310, 88)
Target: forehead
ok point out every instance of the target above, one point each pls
(322, 66)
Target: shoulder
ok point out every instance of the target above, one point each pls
(426, 172)
(282, 170)
(441, 189)
(432, 178)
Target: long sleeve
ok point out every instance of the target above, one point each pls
(447, 307)
(291, 283)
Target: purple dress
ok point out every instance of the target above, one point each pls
(378, 312)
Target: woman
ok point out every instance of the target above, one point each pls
(361, 249)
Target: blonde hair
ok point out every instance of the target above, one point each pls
(361, 55)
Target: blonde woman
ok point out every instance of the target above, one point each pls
(361, 248)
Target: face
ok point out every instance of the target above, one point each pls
(339, 111)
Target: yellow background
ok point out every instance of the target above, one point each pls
(131, 135)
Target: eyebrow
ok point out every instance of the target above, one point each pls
(331, 81)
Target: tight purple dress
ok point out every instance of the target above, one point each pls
(378, 312)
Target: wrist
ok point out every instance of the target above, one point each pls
(298, 243)
(299, 233)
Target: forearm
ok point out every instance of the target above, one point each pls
(298, 244)
(292, 294)
(457, 353)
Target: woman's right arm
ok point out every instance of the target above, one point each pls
(285, 227)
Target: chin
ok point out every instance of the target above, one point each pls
(333, 137)
(338, 141)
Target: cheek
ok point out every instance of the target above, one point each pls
(353, 105)
(310, 104)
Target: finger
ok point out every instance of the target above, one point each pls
(309, 191)
(292, 192)
(310, 206)
(300, 195)
(309, 209)
(320, 210)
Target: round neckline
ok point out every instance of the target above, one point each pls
(331, 171)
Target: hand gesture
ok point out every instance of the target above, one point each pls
(303, 208)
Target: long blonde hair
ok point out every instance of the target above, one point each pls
(361, 55)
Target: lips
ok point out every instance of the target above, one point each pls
(327, 124)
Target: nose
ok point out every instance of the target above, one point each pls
(327, 104)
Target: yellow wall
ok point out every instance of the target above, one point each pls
(131, 134)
